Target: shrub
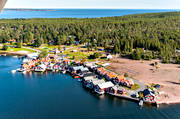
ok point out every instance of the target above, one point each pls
(95, 55)
(137, 54)
(5, 47)
(126, 75)
(43, 54)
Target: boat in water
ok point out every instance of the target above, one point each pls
(20, 69)
(40, 68)
(64, 71)
(50, 67)
(141, 103)
(3, 55)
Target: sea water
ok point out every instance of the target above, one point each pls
(75, 13)
(59, 96)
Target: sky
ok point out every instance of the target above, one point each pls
(109, 4)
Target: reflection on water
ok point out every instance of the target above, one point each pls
(57, 96)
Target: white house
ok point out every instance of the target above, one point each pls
(100, 88)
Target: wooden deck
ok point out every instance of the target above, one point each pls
(124, 96)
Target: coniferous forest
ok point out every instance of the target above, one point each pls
(142, 36)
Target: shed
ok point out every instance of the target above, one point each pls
(101, 88)
(109, 56)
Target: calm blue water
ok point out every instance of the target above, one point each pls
(76, 13)
(58, 96)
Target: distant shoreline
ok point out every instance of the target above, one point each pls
(23, 13)
(30, 9)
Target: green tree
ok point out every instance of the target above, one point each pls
(43, 54)
(116, 49)
(96, 55)
(136, 55)
(19, 43)
(83, 60)
(5, 47)
(37, 42)
(177, 60)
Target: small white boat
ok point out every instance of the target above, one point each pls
(89, 86)
(50, 67)
(64, 71)
(141, 103)
(81, 75)
(40, 68)
(79, 80)
(13, 71)
(99, 92)
(3, 55)
(24, 72)
(20, 70)
(15, 56)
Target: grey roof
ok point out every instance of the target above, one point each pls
(89, 74)
(118, 88)
(90, 78)
(80, 68)
(96, 82)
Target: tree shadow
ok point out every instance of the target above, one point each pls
(173, 82)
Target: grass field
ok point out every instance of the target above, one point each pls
(135, 87)
(77, 55)
(19, 49)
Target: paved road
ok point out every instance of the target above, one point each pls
(31, 49)
(142, 87)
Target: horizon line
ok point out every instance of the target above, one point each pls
(103, 8)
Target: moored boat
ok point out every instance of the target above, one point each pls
(50, 67)
(20, 69)
(64, 71)
(40, 68)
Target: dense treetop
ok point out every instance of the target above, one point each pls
(140, 36)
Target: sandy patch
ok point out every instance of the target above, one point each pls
(168, 75)
(23, 52)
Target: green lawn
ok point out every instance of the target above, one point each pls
(18, 49)
(135, 87)
(77, 55)
(50, 47)
(10, 49)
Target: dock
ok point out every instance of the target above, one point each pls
(95, 78)
(125, 97)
